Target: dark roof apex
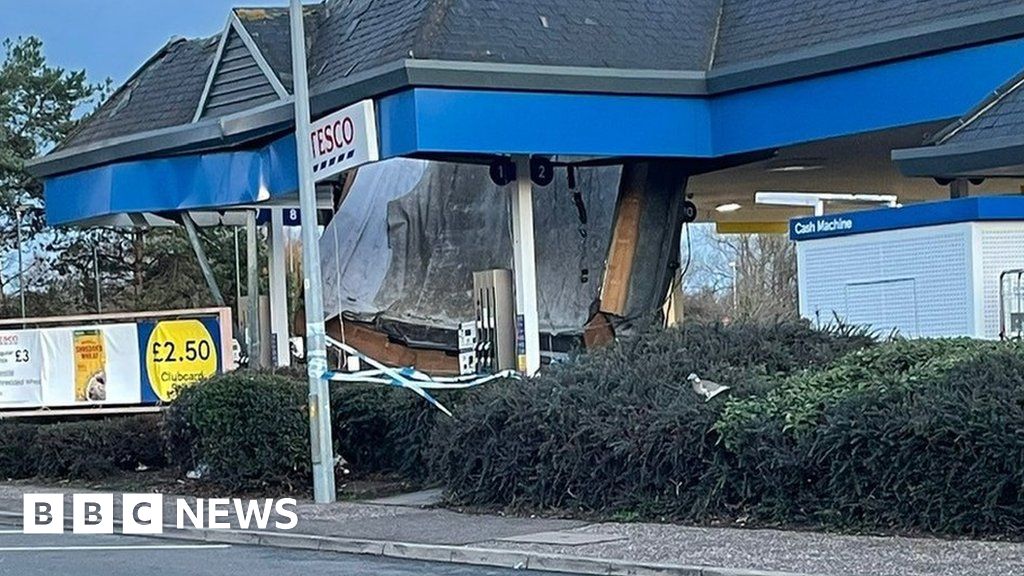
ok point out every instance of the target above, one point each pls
(158, 95)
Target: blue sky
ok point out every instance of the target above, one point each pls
(112, 38)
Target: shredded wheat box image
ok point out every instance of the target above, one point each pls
(90, 366)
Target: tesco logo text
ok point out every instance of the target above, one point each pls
(331, 137)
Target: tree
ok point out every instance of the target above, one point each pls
(142, 269)
(139, 269)
(37, 110)
(741, 276)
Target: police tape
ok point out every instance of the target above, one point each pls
(409, 378)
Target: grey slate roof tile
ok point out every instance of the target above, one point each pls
(1004, 118)
(270, 30)
(358, 35)
(163, 93)
(641, 34)
(755, 29)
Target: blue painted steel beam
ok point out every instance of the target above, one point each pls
(902, 93)
(213, 180)
(430, 120)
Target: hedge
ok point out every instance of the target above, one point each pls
(386, 430)
(250, 429)
(241, 430)
(821, 428)
(924, 435)
(82, 450)
(918, 436)
(18, 458)
(620, 429)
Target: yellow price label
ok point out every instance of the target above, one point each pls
(179, 353)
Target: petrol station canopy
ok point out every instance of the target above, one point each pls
(792, 88)
(988, 141)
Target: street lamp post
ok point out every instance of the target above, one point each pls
(735, 286)
(21, 267)
(96, 274)
(316, 342)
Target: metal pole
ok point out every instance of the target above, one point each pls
(316, 344)
(252, 291)
(96, 275)
(21, 267)
(525, 270)
(735, 286)
(204, 262)
(238, 276)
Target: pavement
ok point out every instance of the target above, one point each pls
(119, 555)
(409, 527)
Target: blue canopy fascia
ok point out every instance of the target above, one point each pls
(931, 88)
(440, 122)
(192, 182)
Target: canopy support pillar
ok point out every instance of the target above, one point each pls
(252, 292)
(959, 188)
(524, 266)
(204, 262)
(643, 254)
(279, 321)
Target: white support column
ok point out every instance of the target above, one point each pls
(252, 292)
(279, 320)
(525, 271)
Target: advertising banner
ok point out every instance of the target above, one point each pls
(110, 364)
(20, 369)
(89, 365)
(177, 353)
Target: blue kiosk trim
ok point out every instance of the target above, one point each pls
(980, 209)
(455, 122)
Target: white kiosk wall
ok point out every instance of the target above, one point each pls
(934, 280)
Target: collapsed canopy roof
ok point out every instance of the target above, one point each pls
(410, 233)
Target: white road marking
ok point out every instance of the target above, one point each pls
(10, 532)
(112, 548)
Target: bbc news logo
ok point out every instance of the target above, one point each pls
(144, 513)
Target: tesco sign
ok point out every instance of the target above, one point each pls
(344, 140)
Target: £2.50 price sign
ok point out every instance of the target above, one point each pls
(179, 353)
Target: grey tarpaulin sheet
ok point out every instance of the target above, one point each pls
(410, 233)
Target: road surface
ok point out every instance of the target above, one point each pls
(117, 555)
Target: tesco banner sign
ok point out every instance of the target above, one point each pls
(344, 140)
